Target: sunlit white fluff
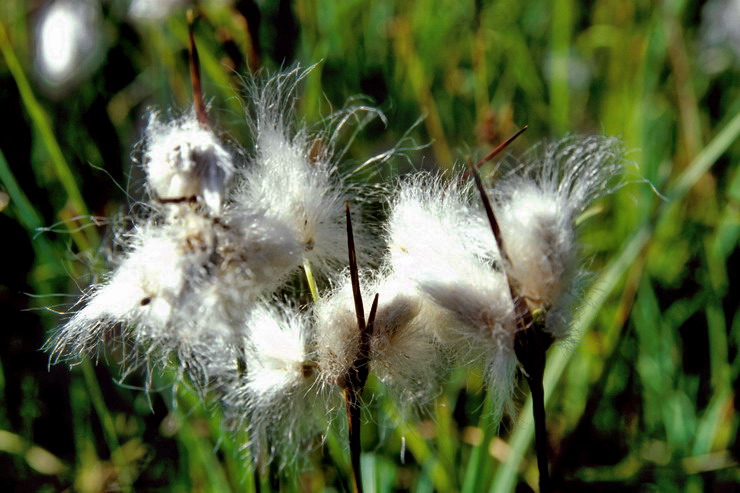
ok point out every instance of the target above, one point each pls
(190, 280)
(536, 208)
(185, 161)
(404, 353)
(439, 239)
(293, 176)
(143, 292)
(277, 398)
(337, 333)
(276, 351)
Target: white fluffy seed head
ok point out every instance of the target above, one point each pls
(294, 176)
(431, 220)
(540, 243)
(337, 334)
(276, 354)
(137, 303)
(440, 241)
(404, 352)
(536, 207)
(186, 161)
(68, 42)
(181, 283)
(277, 398)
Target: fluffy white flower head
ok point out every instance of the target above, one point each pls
(293, 175)
(404, 352)
(277, 398)
(142, 292)
(536, 208)
(276, 352)
(186, 161)
(439, 240)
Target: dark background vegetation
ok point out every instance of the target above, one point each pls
(644, 399)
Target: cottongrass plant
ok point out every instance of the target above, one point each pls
(464, 279)
(439, 241)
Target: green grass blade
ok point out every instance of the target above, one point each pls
(27, 215)
(43, 126)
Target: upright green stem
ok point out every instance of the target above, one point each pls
(310, 280)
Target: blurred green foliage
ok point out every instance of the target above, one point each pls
(643, 399)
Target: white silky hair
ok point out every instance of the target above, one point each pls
(197, 280)
(404, 354)
(183, 160)
(294, 174)
(439, 239)
(219, 235)
(277, 399)
(337, 333)
(537, 205)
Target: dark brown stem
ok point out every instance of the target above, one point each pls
(354, 382)
(498, 149)
(198, 103)
(354, 272)
(531, 347)
(489, 210)
(531, 341)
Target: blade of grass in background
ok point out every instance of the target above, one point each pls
(88, 237)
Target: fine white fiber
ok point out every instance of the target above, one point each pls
(277, 397)
(440, 240)
(537, 205)
(185, 161)
(404, 354)
(294, 178)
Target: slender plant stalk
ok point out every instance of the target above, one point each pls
(311, 280)
(503, 145)
(198, 102)
(354, 381)
(530, 346)
(531, 341)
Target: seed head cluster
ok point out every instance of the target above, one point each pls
(206, 278)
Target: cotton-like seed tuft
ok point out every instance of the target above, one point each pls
(537, 206)
(404, 352)
(294, 177)
(440, 240)
(277, 397)
(185, 162)
(337, 333)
